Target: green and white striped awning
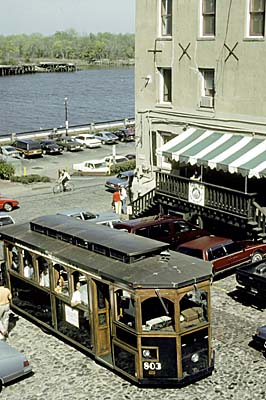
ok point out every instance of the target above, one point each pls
(220, 150)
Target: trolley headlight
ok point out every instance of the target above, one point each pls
(146, 353)
(195, 357)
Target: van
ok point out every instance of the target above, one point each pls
(28, 148)
(169, 229)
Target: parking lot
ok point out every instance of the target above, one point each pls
(60, 371)
(48, 165)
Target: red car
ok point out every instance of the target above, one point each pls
(8, 204)
(222, 252)
(165, 228)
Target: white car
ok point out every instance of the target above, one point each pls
(115, 159)
(92, 167)
(88, 140)
(13, 364)
(9, 151)
(98, 167)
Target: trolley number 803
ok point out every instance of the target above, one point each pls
(152, 366)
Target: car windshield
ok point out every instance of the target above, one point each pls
(10, 149)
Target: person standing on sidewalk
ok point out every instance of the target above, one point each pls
(116, 201)
(123, 197)
(5, 298)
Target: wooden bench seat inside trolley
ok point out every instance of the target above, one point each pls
(150, 269)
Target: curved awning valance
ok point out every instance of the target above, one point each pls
(220, 150)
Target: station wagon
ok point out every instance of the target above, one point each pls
(223, 253)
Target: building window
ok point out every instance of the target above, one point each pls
(166, 17)
(208, 17)
(256, 17)
(165, 85)
(207, 88)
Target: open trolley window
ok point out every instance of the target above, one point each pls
(145, 313)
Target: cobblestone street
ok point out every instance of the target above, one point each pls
(62, 372)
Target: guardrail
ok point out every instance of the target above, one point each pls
(71, 131)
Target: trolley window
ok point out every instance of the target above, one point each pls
(125, 308)
(193, 308)
(157, 314)
(43, 269)
(61, 283)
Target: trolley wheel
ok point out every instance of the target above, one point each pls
(57, 188)
(8, 207)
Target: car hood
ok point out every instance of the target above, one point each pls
(116, 181)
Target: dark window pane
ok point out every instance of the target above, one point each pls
(124, 360)
(32, 300)
(73, 323)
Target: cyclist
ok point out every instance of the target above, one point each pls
(64, 178)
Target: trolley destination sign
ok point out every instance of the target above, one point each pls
(127, 301)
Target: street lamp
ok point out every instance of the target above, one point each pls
(66, 119)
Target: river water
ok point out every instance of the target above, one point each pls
(33, 102)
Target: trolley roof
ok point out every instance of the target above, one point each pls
(149, 270)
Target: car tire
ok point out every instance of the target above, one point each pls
(256, 257)
(1, 386)
(44, 152)
(8, 207)
(23, 155)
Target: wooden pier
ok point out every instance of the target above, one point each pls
(7, 70)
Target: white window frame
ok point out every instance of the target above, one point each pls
(162, 161)
(163, 28)
(248, 25)
(162, 92)
(202, 34)
(207, 85)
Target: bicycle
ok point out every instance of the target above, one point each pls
(58, 187)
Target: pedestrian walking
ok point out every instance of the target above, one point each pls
(123, 197)
(116, 201)
(5, 297)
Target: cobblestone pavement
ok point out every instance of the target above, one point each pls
(62, 372)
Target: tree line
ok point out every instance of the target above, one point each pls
(67, 45)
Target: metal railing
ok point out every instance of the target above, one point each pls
(72, 130)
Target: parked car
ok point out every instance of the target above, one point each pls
(13, 364)
(169, 229)
(106, 137)
(5, 219)
(125, 134)
(98, 167)
(68, 143)
(85, 215)
(49, 146)
(8, 204)
(131, 156)
(122, 179)
(259, 338)
(28, 148)
(92, 167)
(106, 219)
(9, 151)
(224, 253)
(88, 140)
(115, 159)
